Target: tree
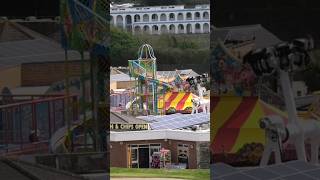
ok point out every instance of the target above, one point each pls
(172, 51)
(122, 46)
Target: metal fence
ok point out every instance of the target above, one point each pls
(34, 120)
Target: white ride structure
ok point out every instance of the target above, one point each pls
(282, 60)
(199, 102)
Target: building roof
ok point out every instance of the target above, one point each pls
(262, 37)
(172, 74)
(120, 77)
(117, 75)
(19, 45)
(187, 72)
(183, 135)
(39, 90)
(118, 118)
(177, 120)
(171, 8)
(28, 91)
(114, 71)
(12, 32)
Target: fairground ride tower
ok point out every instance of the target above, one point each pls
(144, 70)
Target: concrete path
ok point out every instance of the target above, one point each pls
(97, 176)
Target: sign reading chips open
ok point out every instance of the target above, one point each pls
(129, 127)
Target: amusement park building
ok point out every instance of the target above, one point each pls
(132, 149)
(29, 58)
(162, 19)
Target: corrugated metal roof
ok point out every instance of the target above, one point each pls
(36, 48)
(188, 72)
(183, 135)
(120, 77)
(38, 90)
(172, 74)
(176, 121)
(119, 118)
(31, 51)
(11, 32)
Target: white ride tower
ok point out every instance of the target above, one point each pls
(199, 102)
(282, 60)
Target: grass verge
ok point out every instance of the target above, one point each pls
(192, 174)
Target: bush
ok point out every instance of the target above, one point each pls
(250, 153)
(171, 110)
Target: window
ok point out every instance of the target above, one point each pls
(197, 15)
(183, 154)
(189, 16)
(205, 15)
(136, 18)
(171, 16)
(145, 18)
(180, 16)
(163, 17)
(154, 17)
(134, 154)
(154, 148)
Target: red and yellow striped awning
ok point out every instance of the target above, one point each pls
(235, 122)
(177, 100)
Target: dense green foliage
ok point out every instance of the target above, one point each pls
(174, 51)
(123, 47)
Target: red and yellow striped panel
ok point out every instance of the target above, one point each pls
(235, 122)
(177, 100)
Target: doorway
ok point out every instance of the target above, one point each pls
(144, 157)
(140, 155)
(183, 154)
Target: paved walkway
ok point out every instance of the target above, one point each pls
(97, 176)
